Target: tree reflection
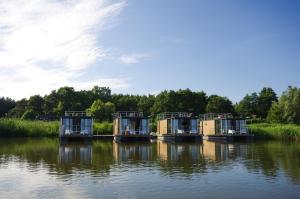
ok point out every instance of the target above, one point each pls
(183, 159)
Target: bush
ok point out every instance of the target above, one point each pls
(29, 115)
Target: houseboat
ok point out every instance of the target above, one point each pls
(223, 126)
(76, 126)
(177, 126)
(131, 126)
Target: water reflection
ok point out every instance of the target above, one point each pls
(177, 152)
(132, 151)
(75, 153)
(222, 151)
(270, 159)
(181, 159)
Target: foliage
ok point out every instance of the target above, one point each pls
(248, 106)
(6, 104)
(275, 131)
(257, 104)
(180, 101)
(19, 109)
(25, 128)
(103, 128)
(29, 115)
(287, 109)
(36, 103)
(102, 111)
(218, 104)
(102, 103)
(265, 100)
(125, 102)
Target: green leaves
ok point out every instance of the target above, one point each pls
(287, 109)
(102, 111)
(218, 104)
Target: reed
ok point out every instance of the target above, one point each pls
(24, 128)
(275, 131)
(103, 128)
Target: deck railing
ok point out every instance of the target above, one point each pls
(168, 115)
(128, 114)
(77, 113)
(213, 116)
(75, 130)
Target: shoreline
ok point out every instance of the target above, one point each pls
(13, 128)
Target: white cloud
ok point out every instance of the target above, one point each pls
(63, 35)
(133, 58)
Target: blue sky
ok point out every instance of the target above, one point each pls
(228, 48)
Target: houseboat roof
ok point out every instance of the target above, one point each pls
(77, 114)
(128, 114)
(215, 116)
(169, 115)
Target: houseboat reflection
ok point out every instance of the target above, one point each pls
(75, 153)
(182, 151)
(221, 151)
(132, 151)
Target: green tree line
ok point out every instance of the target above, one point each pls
(101, 103)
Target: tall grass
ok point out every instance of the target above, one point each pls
(24, 128)
(103, 128)
(275, 131)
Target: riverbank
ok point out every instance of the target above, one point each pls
(25, 128)
(275, 131)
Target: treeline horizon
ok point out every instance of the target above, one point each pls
(264, 105)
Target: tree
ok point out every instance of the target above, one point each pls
(276, 113)
(218, 104)
(287, 109)
(102, 111)
(29, 115)
(265, 100)
(248, 106)
(125, 102)
(102, 93)
(6, 104)
(66, 100)
(180, 101)
(36, 104)
(145, 104)
(19, 109)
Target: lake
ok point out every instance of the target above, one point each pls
(44, 168)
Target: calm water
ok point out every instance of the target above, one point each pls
(42, 168)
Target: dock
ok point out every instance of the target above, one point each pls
(103, 137)
(180, 137)
(132, 138)
(238, 137)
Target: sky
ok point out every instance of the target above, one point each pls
(224, 47)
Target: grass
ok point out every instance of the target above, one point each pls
(25, 128)
(103, 128)
(275, 131)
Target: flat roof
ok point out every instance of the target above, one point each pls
(128, 114)
(216, 116)
(169, 115)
